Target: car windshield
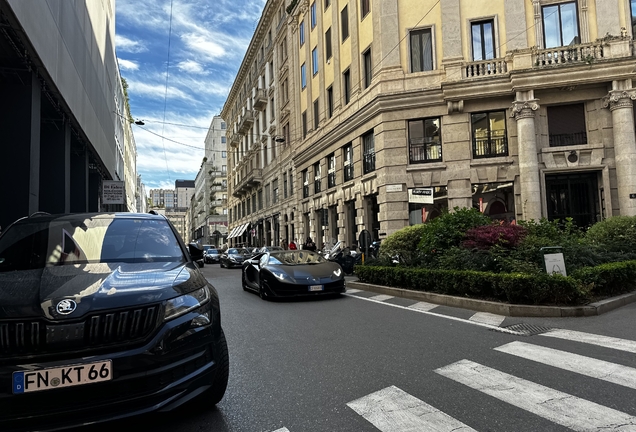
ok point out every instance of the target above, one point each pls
(213, 251)
(66, 241)
(295, 258)
(237, 251)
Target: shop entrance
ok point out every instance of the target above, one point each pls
(575, 196)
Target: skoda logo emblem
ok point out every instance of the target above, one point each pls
(66, 307)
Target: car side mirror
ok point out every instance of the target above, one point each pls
(196, 252)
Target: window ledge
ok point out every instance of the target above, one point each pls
(426, 166)
(572, 148)
(492, 161)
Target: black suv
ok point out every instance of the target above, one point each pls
(103, 316)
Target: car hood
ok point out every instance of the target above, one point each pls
(310, 272)
(36, 293)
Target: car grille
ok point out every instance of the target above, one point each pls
(124, 327)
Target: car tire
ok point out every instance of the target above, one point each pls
(221, 264)
(261, 291)
(216, 392)
(243, 282)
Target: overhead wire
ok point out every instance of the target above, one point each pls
(165, 97)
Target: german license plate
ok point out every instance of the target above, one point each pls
(315, 288)
(65, 376)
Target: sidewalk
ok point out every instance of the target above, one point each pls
(504, 309)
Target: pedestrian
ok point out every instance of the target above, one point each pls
(309, 245)
(284, 244)
(292, 245)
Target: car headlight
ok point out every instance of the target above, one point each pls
(281, 275)
(337, 272)
(183, 304)
(232, 258)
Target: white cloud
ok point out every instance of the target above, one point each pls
(191, 66)
(128, 64)
(203, 45)
(127, 45)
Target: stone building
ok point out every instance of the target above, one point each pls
(377, 114)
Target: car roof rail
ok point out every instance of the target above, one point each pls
(39, 213)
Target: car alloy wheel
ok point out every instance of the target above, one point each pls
(261, 291)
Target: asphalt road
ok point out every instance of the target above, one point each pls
(358, 364)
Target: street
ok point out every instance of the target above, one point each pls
(357, 363)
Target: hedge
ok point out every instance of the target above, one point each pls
(609, 279)
(514, 288)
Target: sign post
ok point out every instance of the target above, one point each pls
(553, 259)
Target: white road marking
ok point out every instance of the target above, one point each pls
(381, 297)
(350, 291)
(567, 410)
(594, 339)
(606, 371)
(393, 410)
(488, 318)
(423, 306)
(448, 317)
(282, 430)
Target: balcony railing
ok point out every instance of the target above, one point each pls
(422, 151)
(253, 178)
(584, 53)
(561, 140)
(490, 147)
(260, 100)
(483, 68)
(246, 122)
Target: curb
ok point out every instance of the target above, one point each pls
(505, 309)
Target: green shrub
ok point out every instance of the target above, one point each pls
(449, 229)
(615, 234)
(609, 279)
(402, 244)
(515, 288)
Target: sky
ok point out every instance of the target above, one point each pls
(179, 58)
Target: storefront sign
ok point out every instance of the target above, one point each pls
(421, 195)
(394, 188)
(112, 192)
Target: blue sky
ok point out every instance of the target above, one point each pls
(201, 57)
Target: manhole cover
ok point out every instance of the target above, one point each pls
(526, 329)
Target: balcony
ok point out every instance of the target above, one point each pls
(484, 68)
(218, 203)
(246, 122)
(260, 100)
(235, 139)
(252, 179)
(576, 54)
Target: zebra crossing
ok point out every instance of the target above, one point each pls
(392, 409)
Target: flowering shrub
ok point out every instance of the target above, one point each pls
(485, 237)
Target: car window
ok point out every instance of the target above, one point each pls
(65, 241)
(213, 251)
(232, 251)
(295, 258)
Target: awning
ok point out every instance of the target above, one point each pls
(238, 231)
(233, 231)
(242, 230)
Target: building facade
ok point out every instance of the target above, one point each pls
(209, 205)
(184, 190)
(388, 112)
(64, 122)
(163, 198)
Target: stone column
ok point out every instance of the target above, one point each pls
(523, 111)
(620, 104)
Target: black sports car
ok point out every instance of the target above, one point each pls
(292, 273)
(234, 257)
(103, 316)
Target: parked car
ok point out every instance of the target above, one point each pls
(292, 273)
(212, 256)
(270, 248)
(233, 257)
(113, 319)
